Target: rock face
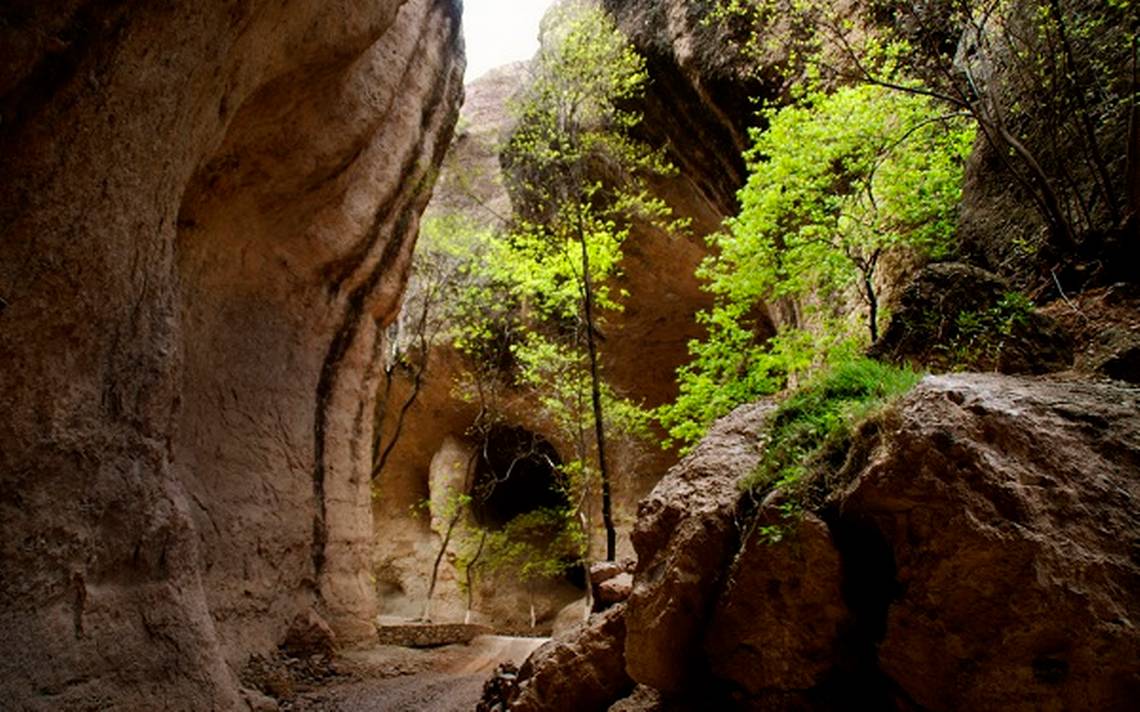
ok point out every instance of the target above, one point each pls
(1010, 511)
(698, 108)
(955, 315)
(775, 629)
(1105, 326)
(1090, 167)
(208, 210)
(470, 181)
(434, 428)
(584, 670)
(685, 535)
(700, 103)
(980, 553)
(309, 635)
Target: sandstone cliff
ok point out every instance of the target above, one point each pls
(208, 211)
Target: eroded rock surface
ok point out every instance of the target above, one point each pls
(980, 555)
(1011, 510)
(308, 635)
(208, 210)
(776, 627)
(955, 315)
(686, 533)
(582, 670)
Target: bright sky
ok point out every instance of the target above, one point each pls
(499, 32)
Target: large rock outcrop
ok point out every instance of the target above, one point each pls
(698, 107)
(686, 533)
(978, 553)
(207, 215)
(957, 316)
(1076, 161)
(775, 631)
(582, 670)
(1010, 511)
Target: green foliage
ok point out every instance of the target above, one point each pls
(469, 257)
(814, 424)
(531, 297)
(732, 366)
(573, 121)
(546, 266)
(976, 337)
(540, 544)
(561, 379)
(1050, 85)
(577, 175)
(834, 182)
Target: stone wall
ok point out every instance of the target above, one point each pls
(208, 210)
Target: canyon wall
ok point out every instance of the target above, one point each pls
(207, 217)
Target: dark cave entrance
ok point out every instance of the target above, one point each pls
(516, 472)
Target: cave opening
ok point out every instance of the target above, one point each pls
(517, 472)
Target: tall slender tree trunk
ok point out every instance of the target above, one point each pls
(451, 524)
(1133, 171)
(872, 308)
(471, 577)
(596, 394)
(867, 267)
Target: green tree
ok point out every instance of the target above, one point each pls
(835, 182)
(536, 545)
(1051, 86)
(445, 274)
(574, 173)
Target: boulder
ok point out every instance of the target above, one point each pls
(686, 534)
(1008, 510)
(581, 670)
(601, 571)
(642, 699)
(570, 617)
(499, 689)
(308, 635)
(775, 630)
(256, 701)
(954, 315)
(979, 551)
(1105, 326)
(1120, 358)
(616, 589)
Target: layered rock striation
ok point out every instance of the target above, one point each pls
(207, 216)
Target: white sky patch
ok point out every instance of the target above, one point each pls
(499, 32)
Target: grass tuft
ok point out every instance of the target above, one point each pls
(812, 428)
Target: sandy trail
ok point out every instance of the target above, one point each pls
(445, 680)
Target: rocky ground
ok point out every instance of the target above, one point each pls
(390, 679)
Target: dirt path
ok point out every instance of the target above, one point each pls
(445, 680)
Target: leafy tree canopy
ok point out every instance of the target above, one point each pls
(835, 181)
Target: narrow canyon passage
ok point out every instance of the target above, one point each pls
(757, 355)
